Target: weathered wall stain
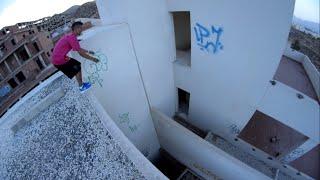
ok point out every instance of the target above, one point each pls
(208, 38)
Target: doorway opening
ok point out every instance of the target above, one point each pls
(182, 31)
(183, 101)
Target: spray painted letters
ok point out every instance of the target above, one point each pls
(208, 38)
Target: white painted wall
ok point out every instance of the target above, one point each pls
(197, 154)
(226, 87)
(121, 89)
(150, 28)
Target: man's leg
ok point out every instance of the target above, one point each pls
(79, 78)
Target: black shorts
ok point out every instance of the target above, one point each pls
(70, 68)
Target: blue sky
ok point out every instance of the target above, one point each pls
(13, 11)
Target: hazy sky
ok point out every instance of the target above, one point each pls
(14, 11)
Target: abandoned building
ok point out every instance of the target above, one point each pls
(24, 61)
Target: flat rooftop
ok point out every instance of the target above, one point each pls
(293, 74)
(66, 140)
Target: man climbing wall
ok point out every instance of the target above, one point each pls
(69, 66)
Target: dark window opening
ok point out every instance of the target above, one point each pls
(36, 46)
(183, 100)
(24, 36)
(30, 32)
(48, 54)
(20, 76)
(182, 31)
(52, 50)
(13, 42)
(2, 47)
(48, 37)
(13, 83)
(4, 32)
(40, 65)
(23, 55)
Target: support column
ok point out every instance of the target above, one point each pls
(16, 57)
(42, 61)
(6, 64)
(26, 47)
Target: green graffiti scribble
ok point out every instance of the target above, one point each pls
(94, 70)
(125, 119)
(133, 128)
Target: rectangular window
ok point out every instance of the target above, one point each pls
(23, 54)
(20, 76)
(2, 47)
(13, 83)
(36, 46)
(13, 42)
(40, 65)
(182, 31)
(183, 101)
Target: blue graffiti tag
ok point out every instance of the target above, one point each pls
(208, 39)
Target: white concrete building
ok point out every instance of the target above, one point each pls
(223, 68)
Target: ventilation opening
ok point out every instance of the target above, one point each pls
(182, 31)
(13, 83)
(20, 76)
(183, 100)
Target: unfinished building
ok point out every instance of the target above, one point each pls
(205, 89)
(24, 61)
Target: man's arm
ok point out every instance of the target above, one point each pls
(86, 26)
(84, 53)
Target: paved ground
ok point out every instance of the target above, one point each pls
(66, 141)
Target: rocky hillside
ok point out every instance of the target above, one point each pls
(87, 10)
(308, 45)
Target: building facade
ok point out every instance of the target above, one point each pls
(24, 61)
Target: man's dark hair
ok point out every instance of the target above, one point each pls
(76, 24)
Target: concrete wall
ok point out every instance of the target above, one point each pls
(117, 84)
(152, 34)
(197, 154)
(229, 78)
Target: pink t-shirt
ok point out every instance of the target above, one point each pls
(64, 45)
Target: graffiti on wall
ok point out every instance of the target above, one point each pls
(125, 119)
(94, 70)
(208, 39)
(234, 129)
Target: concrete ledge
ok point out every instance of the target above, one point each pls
(37, 109)
(147, 169)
